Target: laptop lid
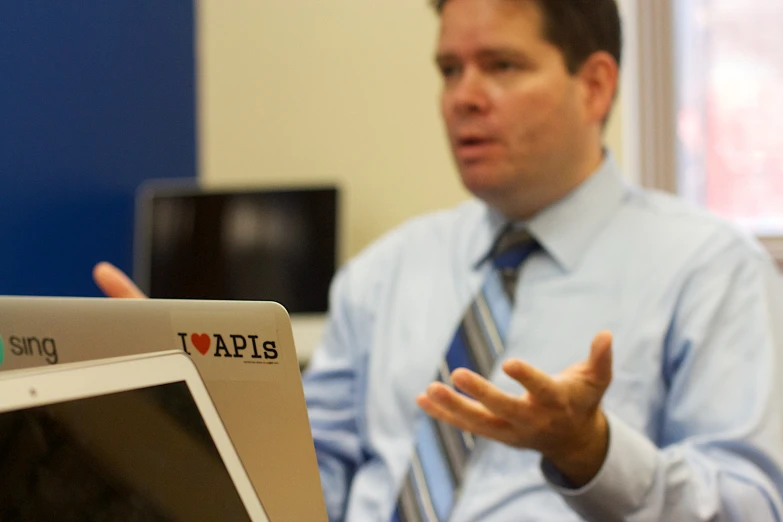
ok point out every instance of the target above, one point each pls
(124, 439)
(243, 350)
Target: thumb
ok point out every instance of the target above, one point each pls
(114, 283)
(600, 360)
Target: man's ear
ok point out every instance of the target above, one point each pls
(599, 76)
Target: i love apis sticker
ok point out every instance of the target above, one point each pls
(236, 346)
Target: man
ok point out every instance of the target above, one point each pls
(671, 416)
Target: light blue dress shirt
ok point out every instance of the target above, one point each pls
(694, 408)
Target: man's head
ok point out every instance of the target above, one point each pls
(528, 85)
(577, 27)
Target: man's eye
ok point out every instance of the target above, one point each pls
(502, 66)
(448, 71)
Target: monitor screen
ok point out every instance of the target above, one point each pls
(268, 245)
(143, 454)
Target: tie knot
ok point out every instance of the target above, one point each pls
(512, 247)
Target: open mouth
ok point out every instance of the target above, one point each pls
(471, 147)
(470, 142)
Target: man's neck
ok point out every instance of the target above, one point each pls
(523, 206)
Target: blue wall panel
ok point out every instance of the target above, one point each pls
(95, 97)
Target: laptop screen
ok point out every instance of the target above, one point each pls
(143, 454)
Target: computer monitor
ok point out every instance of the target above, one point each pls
(269, 244)
(263, 244)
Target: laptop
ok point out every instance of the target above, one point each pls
(131, 438)
(243, 350)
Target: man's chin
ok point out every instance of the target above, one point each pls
(498, 193)
(481, 182)
(492, 195)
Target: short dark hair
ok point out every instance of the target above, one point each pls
(578, 28)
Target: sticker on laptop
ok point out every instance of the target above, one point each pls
(230, 350)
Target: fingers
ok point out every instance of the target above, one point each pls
(536, 382)
(600, 359)
(114, 283)
(490, 396)
(445, 404)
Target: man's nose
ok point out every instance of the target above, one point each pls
(469, 93)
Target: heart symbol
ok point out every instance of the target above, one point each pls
(201, 342)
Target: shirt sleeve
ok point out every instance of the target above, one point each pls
(330, 386)
(719, 453)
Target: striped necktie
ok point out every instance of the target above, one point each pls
(432, 484)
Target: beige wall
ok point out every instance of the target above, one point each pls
(297, 92)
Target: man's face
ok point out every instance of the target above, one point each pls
(512, 110)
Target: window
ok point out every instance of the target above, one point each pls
(729, 83)
(710, 106)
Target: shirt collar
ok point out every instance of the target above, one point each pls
(566, 228)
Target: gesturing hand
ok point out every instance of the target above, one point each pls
(559, 416)
(114, 283)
